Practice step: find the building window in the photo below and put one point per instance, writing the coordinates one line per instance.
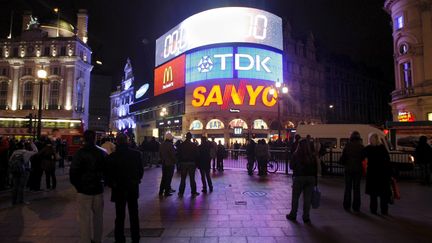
(46, 51)
(28, 95)
(54, 94)
(196, 125)
(28, 71)
(4, 71)
(238, 123)
(80, 93)
(3, 94)
(259, 124)
(63, 51)
(215, 124)
(399, 22)
(55, 71)
(406, 74)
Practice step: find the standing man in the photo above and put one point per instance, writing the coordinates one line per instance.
(188, 153)
(124, 174)
(213, 153)
(250, 155)
(221, 152)
(423, 156)
(168, 157)
(204, 164)
(86, 175)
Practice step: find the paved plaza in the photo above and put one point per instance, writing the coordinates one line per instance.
(242, 208)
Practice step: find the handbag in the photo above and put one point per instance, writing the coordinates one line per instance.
(316, 197)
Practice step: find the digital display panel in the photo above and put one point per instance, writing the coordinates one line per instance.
(209, 64)
(230, 94)
(169, 76)
(233, 62)
(220, 25)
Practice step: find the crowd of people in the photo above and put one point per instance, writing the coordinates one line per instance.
(24, 162)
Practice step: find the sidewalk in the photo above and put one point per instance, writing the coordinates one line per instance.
(241, 209)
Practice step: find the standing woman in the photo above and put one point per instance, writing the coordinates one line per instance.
(378, 174)
(304, 166)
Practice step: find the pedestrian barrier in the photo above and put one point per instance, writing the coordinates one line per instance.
(236, 159)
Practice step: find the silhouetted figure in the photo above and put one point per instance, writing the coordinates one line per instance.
(304, 179)
(423, 156)
(351, 159)
(124, 174)
(262, 156)
(213, 152)
(250, 155)
(168, 157)
(86, 175)
(204, 164)
(378, 174)
(188, 155)
(220, 154)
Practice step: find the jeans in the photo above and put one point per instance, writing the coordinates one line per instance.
(220, 164)
(120, 205)
(187, 168)
(167, 174)
(303, 184)
(205, 175)
(50, 176)
(19, 183)
(425, 174)
(352, 184)
(262, 166)
(90, 212)
(383, 204)
(250, 165)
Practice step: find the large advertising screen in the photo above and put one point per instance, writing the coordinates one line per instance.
(233, 62)
(220, 25)
(233, 95)
(169, 76)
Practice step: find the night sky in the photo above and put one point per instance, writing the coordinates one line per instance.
(360, 30)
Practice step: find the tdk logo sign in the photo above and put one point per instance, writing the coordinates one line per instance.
(233, 62)
(243, 62)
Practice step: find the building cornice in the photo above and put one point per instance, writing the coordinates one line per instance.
(388, 4)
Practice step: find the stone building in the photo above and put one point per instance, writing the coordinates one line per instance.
(412, 46)
(60, 49)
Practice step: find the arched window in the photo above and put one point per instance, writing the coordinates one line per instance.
(259, 124)
(238, 123)
(54, 94)
(215, 124)
(28, 95)
(196, 125)
(80, 94)
(3, 94)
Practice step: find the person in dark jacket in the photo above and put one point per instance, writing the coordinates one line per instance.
(250, 155)
(123, 174)
(378, 174)
(48, 164)
(188, 156)
(304, 166)
(262, 155)
(168, 157)
(352, 157)
(220, 155)
(204, 164)
(423, 157)
(86, 175)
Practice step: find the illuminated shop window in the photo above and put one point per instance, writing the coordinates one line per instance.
(399, 22)
(215, 124)
(238, 123)
(259, 124)
(196, 125)
(429, 115)
(3, 93)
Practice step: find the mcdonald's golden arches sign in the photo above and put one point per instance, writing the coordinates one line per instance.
(170, 76)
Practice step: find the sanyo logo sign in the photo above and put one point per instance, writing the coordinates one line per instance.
(242, 62)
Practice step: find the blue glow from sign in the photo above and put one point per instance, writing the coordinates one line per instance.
(209, 64)
(267, 65)
(231, 62)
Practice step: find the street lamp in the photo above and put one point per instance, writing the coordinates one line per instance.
(163, 113)
(279, 89)
(42, 75)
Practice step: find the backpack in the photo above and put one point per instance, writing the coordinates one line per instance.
(16, 166)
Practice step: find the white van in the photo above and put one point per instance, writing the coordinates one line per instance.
(335, 136)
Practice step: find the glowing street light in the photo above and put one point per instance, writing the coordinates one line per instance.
(42, 75)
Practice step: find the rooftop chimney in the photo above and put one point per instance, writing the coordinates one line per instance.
(82, 21)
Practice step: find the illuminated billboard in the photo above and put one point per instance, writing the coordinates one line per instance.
(230, 94)
(233, 62)
(220, 25)
(169, 76)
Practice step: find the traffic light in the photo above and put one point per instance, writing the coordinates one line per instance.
(29, 123)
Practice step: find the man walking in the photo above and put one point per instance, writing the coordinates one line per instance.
(168, 157)
(86, 175)
(124, 174)
(188, 153)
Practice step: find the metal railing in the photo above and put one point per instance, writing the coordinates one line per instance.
(236, 159)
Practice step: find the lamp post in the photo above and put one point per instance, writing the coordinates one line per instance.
(42, 75)
(163, 113)
(279, 89)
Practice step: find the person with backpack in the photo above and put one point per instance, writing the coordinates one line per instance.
(19, 167)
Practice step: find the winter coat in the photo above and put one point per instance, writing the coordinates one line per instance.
(167, 153)
(124, 172)
(188, 152)
(262, 152)
(352, 157)
(378, 170)
(87, 170)
(250, 151)
(423, 154)
(221, 152)
(48, 158)
(303, 165)
(204, 155)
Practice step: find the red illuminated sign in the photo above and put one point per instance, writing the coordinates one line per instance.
(405, 116)
(169, 76)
